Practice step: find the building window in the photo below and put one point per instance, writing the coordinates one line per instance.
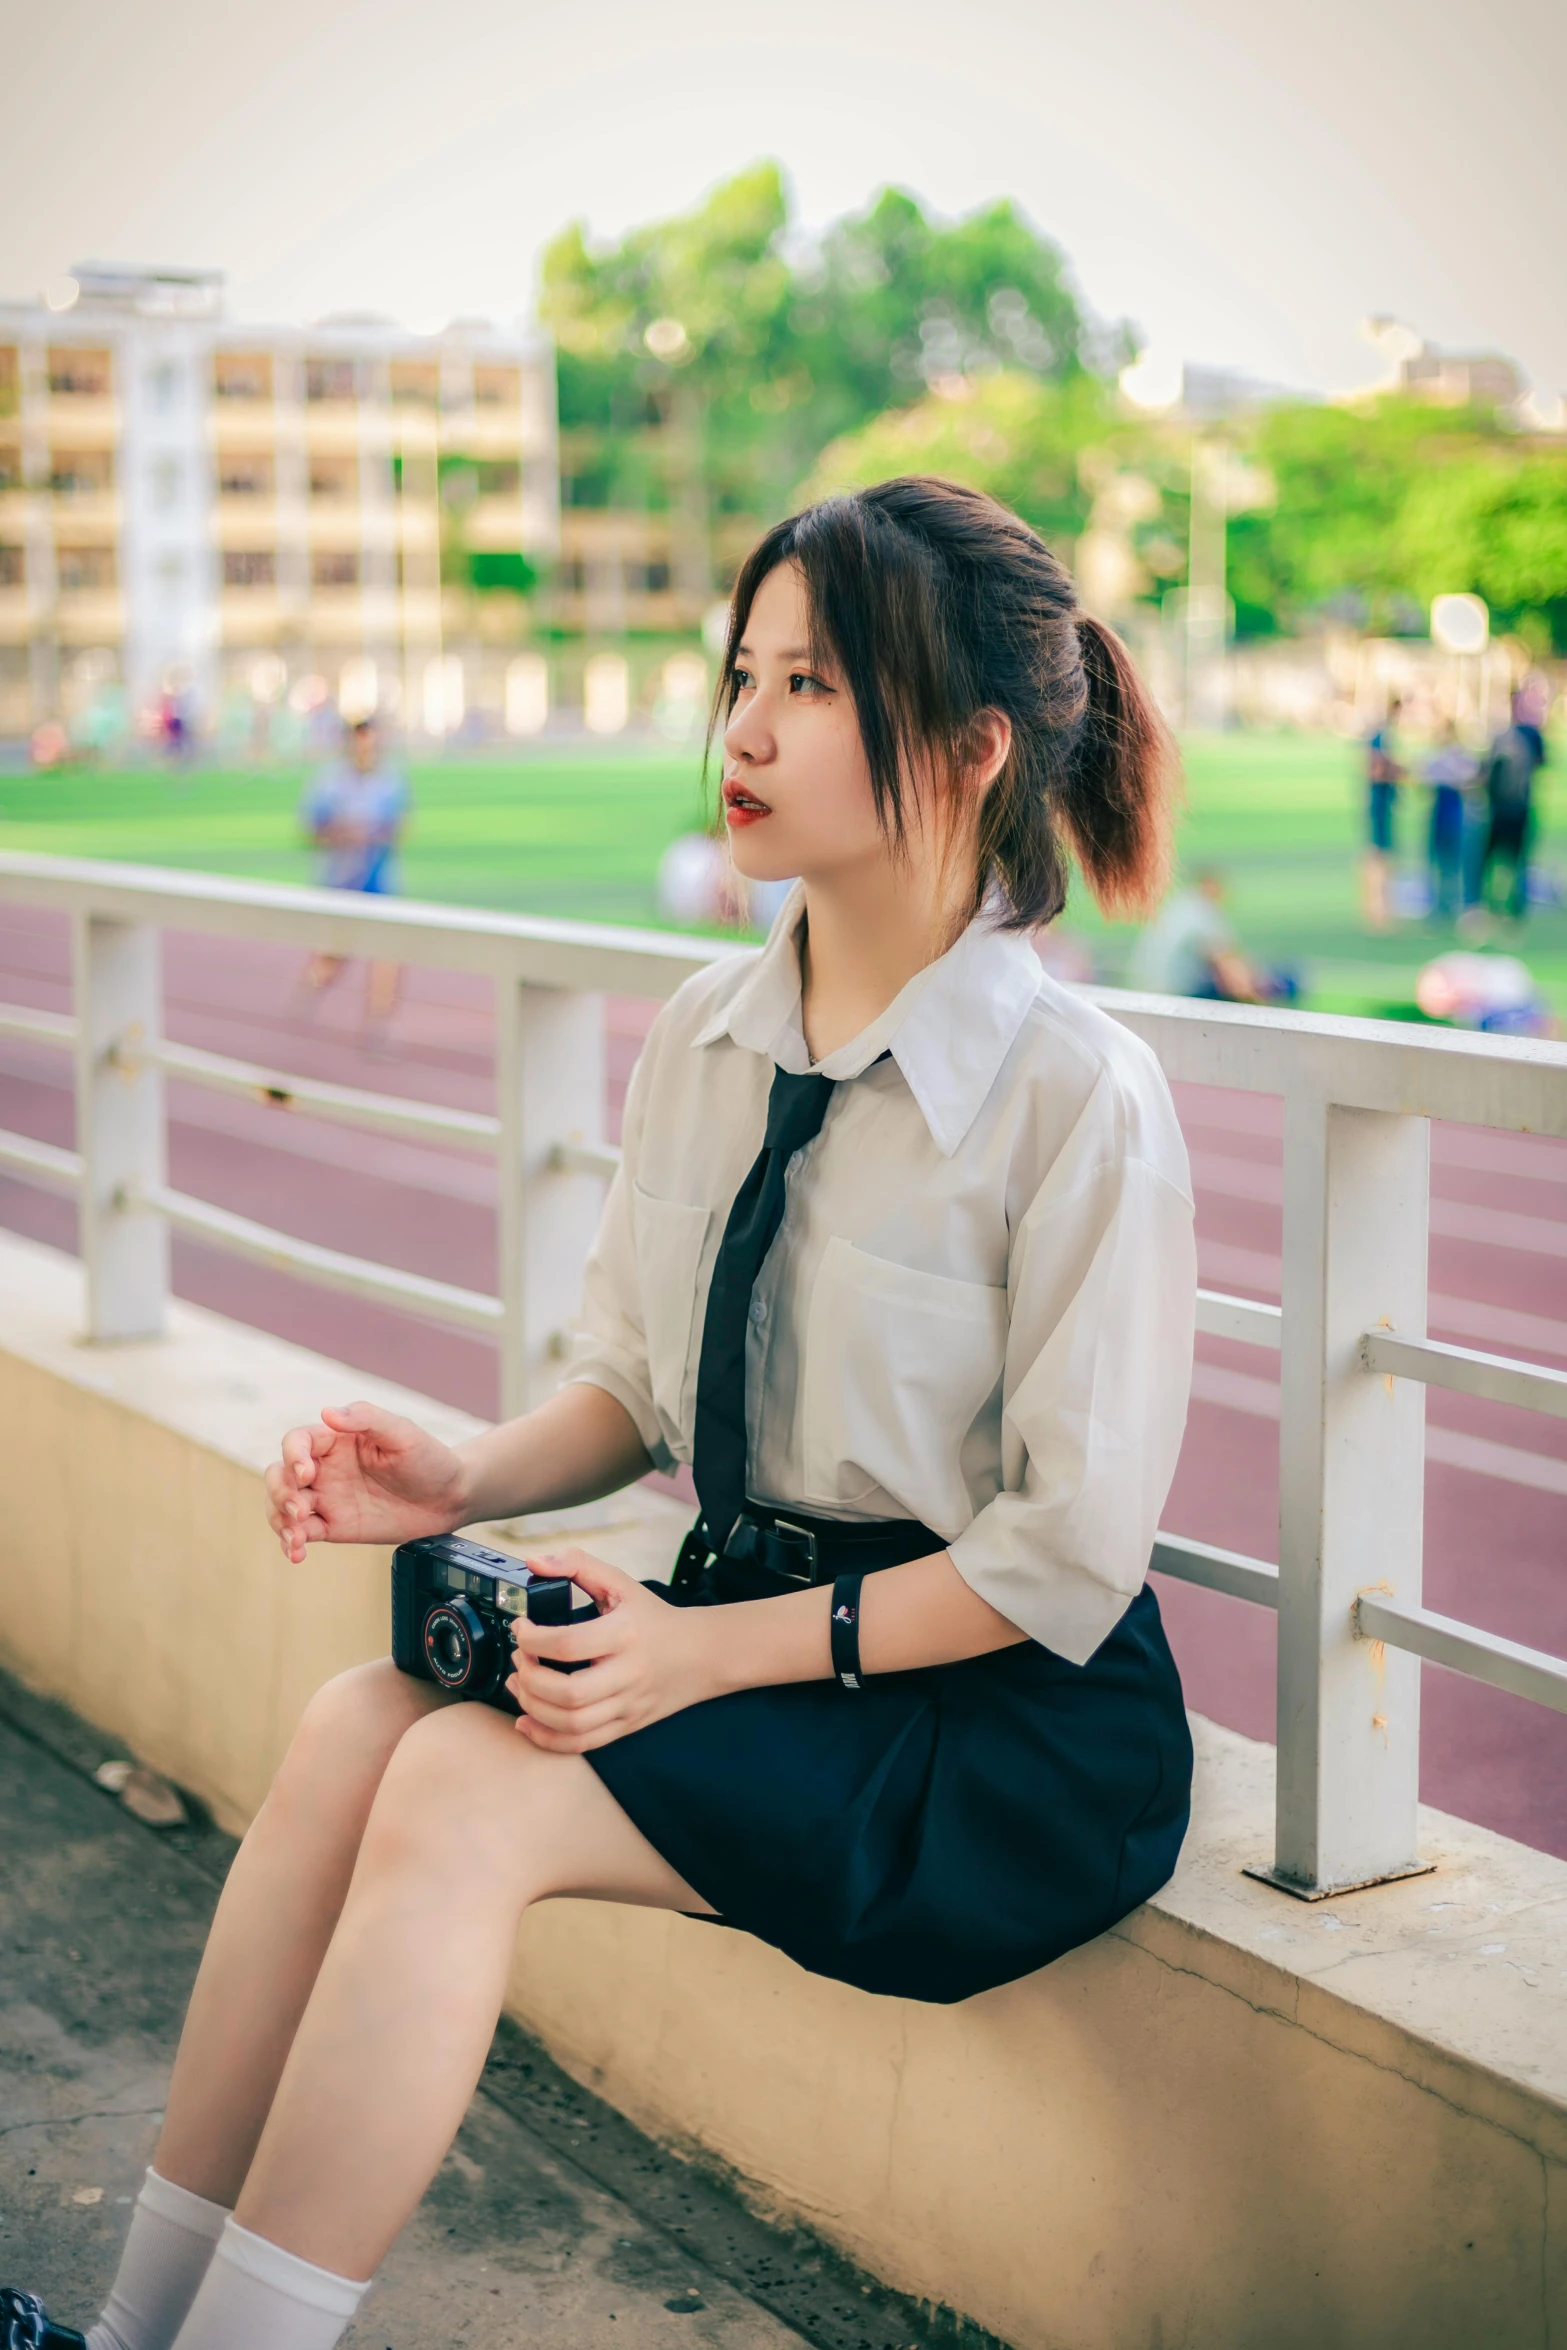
(333, 477)
(247, 567)
(573, 575)
(164, 386)
(244, 477)
(500, 479)
(85, 570)
(10, 469)
(657, 579)
(168, 483)
(79, 375)
(414, 384)
(13, 567)
(334, 567)
(242, 375)
(329, 379)
(10, 379)
(81, 473)
(497, 387)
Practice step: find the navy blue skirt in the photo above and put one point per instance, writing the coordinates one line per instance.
(935, 1833)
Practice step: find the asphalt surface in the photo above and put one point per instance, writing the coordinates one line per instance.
(1496, 1479)
(551, 2221)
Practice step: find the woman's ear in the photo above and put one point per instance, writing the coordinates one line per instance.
(989, 742)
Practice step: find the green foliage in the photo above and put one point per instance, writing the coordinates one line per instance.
(1376, 508)
(1017, 438)
(708, 366)
(500, 571)
(758, 357)
(1494, 524)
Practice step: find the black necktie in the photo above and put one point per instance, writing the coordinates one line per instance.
(795, 1110)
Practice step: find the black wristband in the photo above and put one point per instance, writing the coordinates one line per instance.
(846, 1631)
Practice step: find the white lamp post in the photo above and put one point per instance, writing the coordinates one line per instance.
(1461, 625)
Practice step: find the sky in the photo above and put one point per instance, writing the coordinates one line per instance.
(1245, 181)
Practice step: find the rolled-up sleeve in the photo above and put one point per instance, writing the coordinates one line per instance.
(1102, 1288)
(610, 1342)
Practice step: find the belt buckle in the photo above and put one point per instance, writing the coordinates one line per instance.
(803, 1534)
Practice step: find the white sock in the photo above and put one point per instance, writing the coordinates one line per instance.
(256, 2296)
(165, 2258)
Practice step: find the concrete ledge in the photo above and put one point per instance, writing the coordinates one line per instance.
(1234, 2121)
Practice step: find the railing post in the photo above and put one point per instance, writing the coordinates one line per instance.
(119, 1125)
(1351, 1495)
(549, 1069)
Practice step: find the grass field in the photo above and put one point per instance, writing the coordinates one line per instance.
(580, 834)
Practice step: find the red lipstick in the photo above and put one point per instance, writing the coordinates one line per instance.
(741, 806)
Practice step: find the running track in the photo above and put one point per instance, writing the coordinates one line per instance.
(1496, 1497)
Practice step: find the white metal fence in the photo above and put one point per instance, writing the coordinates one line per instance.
(1355, 1361)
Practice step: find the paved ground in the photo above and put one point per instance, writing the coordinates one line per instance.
(551, 2221)
(1497, 1478)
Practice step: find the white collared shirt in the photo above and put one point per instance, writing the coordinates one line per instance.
(978, 1311)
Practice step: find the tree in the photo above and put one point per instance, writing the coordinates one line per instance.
(704, 367)
(1010, 434)
(661, 335)
(1494, 524)
(1330, 541)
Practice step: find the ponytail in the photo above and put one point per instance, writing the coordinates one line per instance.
(939, 605)
(1116, 792)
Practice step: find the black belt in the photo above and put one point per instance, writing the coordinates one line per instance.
(771, 1551)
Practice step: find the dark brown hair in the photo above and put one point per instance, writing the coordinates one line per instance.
(934, 605)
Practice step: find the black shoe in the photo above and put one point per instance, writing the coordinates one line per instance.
(24, 2325)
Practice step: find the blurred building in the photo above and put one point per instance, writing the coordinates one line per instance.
(652, 568)
(344, 512)
(1461, 379)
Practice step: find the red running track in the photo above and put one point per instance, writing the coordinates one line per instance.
(1496, 1477)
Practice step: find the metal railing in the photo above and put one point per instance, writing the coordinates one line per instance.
(1350, 1331)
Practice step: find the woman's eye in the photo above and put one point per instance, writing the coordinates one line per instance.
(739, 680)
(802, 682)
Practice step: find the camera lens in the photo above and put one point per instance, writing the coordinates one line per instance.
(459, 1646)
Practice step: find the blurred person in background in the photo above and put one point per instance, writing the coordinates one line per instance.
(1189, 948)
(175, 733)
(1384, 774)
(1451, 773)
(1517, 755)
(355, 812)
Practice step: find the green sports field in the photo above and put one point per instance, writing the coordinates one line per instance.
(580, 834)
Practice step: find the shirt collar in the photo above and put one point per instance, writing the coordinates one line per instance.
(949, 1028)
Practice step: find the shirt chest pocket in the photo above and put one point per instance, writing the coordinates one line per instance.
(898, 1367)
(669, 1235)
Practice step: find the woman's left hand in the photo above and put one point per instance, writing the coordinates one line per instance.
(642, 1659)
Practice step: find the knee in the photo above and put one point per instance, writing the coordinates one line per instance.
(455, 1793)
(347, 1734)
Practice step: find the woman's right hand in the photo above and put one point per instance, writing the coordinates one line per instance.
(362, 1475)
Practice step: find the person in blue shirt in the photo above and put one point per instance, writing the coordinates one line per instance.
(1450, 772)
(355, 812)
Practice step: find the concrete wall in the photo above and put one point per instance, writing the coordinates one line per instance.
(1236, 2121)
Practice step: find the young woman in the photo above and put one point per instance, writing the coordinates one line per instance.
(900, 1257)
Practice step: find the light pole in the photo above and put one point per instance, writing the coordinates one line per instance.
(1461, 625)
(1207, 611)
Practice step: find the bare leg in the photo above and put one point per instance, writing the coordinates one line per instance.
(283, 1898)
(471, 1824)
(320, 971)
(1374, 890)
(382, 988)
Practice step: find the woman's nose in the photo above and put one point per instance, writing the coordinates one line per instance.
(749, 734)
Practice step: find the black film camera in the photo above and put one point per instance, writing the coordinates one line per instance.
(453, 1603)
